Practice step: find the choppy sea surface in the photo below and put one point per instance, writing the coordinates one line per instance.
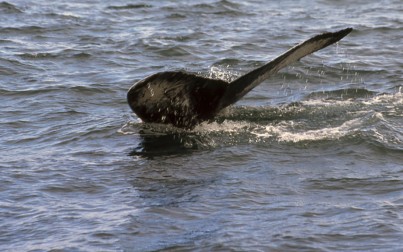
(310, 160)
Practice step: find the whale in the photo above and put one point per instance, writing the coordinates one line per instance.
(185, 100)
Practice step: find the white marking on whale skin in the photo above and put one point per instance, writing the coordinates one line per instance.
(150, 89)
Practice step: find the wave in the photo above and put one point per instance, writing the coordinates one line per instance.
(342, 94)
(54, 55)
(30, 29)
(57, 90)
(220, 7)
(129, 6)
(7, 7)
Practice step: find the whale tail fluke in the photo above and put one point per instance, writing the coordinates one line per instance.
(241, 86)
(185, 99)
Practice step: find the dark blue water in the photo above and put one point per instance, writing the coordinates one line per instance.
(310, 160)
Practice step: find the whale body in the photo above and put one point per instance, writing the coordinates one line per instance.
(185, 99)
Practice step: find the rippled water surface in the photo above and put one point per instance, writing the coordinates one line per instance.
(310, 160)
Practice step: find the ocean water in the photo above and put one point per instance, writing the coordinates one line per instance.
(310, 160)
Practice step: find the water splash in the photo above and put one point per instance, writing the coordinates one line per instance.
(222, 73)
(285, 133)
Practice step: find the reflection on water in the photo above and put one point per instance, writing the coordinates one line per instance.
(154, 145)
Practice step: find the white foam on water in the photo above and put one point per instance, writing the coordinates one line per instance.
(329, 103)
(284, 132)
(390, 100)
(226, 126)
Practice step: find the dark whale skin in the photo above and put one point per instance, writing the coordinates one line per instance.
(176, 98)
